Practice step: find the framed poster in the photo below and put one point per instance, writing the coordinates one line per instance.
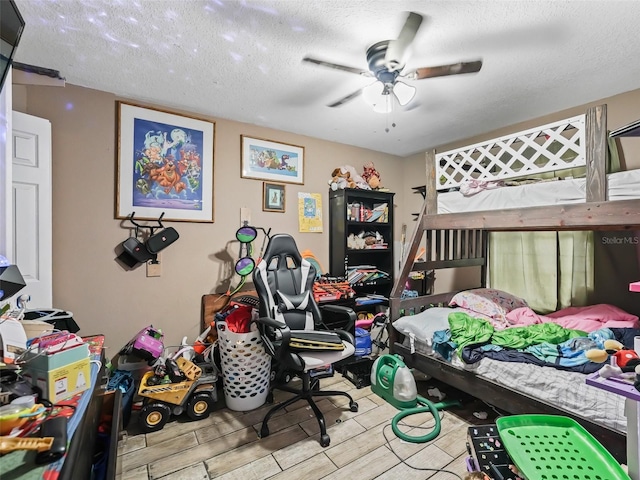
(165, 164)
(271, 161)
(273, 197)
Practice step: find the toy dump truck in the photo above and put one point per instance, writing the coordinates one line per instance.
(191, 389)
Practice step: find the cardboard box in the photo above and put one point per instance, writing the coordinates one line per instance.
(63, 382)
(44, 362)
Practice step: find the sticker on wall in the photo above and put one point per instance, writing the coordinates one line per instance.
(310, 212)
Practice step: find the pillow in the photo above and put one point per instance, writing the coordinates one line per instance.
(424, 324)
(488, 301)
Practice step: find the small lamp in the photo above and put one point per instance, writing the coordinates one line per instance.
(11, 280)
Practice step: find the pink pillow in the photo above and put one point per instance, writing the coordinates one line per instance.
(488, 301)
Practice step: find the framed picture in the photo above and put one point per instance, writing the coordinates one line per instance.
(272, 197)
(165, 164)
(271, 161)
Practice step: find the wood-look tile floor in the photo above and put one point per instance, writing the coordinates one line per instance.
(226, 445)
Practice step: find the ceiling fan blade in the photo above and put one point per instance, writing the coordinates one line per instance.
(442, 70)
(346, 99)
(337, 66)
(395, 58)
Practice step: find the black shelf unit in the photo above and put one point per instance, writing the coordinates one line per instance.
(341, 212)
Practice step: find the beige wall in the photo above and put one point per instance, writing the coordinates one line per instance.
(105, 298)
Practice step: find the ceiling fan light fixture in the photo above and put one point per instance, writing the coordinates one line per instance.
(403, 92)
(372, 93)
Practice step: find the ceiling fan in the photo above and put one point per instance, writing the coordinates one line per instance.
(386, 60)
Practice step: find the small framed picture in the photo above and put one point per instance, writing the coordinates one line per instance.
(273, 197)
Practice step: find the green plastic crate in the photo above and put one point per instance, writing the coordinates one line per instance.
(553, 447)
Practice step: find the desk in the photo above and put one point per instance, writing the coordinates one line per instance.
(82, 430)
(631, 411)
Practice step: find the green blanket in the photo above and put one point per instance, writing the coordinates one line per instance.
(466, 330)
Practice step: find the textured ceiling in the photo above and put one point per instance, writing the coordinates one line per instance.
(242, 60)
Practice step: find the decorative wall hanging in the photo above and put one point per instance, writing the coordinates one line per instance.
(273, 199)
(165, 164)
(271, 161)
(309, 212)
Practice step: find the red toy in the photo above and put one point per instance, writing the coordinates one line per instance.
(625, 359)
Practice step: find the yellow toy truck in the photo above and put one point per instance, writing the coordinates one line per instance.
(190, 389)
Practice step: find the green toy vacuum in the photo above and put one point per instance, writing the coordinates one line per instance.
(392, 380)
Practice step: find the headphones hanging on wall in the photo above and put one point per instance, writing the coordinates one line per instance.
(135, 252)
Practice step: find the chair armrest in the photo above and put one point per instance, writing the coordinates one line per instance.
(346, 336)
(271, 322)
(347, 312)
(275, 334)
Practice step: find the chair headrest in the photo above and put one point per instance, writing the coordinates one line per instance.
(281, 245)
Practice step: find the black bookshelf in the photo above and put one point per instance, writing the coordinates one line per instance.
(353, 211)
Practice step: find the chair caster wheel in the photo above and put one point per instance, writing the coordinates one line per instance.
(325, 440)
(264, 431)
(270, 397)
(353, 406)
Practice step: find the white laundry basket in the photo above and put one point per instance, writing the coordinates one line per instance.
(246, 367)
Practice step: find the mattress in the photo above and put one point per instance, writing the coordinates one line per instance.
(562, 389)
(620, 186)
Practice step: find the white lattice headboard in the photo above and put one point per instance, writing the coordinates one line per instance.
(555, 146)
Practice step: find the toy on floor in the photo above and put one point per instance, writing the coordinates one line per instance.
(183, 386)
(146, 345)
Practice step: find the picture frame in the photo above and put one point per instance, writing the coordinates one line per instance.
(273, 197)
(165, 165)
(271, 161)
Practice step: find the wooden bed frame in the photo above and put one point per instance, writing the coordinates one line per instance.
(460, 240)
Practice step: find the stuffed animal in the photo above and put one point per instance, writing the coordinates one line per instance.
(356, 242)
(626, 359)
(355, 177)
(340, 179)
(371, 176)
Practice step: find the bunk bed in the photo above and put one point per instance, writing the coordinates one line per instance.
(461, 239)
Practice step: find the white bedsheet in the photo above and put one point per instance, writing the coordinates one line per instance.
(566, 390)
(620, 186)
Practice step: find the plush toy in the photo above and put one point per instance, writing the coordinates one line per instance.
(340, 179)
(356, 242)
(371, 176)
(355, 177)
(626, 359)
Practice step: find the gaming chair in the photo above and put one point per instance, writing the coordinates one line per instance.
(292, 329)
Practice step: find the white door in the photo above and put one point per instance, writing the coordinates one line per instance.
(6, 225)
(31, 185)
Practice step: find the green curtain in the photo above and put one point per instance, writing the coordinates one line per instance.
(525, 264)
(550, 270)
